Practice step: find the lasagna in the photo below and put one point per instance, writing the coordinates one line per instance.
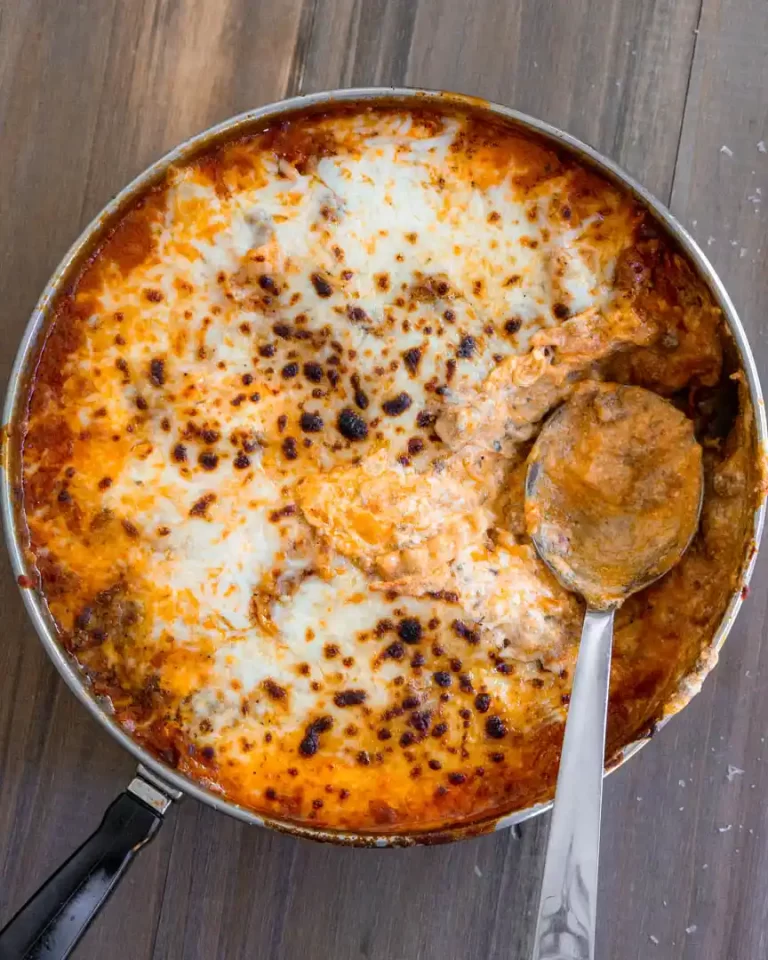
(275, 450)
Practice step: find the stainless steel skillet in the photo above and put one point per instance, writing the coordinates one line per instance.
(54, 919)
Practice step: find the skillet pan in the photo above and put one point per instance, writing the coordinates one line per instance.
(50, 924)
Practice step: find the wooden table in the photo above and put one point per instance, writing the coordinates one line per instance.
(676, 91)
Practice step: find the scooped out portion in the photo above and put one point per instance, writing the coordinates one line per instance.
(614, 486)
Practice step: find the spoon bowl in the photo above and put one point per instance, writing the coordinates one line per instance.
(614, 489)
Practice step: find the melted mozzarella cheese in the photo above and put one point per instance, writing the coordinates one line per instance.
(248, 524)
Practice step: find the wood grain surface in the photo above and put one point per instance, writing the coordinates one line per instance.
(91, 91)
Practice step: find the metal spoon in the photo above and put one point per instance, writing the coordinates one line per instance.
(613, 496)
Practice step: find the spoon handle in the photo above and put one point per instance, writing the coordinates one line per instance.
(565, 929)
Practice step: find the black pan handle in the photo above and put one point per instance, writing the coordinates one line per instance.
(52, 921)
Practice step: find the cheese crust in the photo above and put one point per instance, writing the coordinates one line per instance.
(274, 461)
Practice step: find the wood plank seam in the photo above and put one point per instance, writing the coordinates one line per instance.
(675, 166)
(295, 81)
(97, 125)
(174, 812)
